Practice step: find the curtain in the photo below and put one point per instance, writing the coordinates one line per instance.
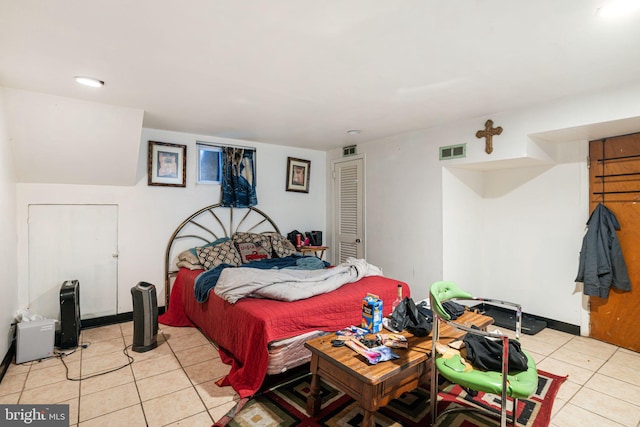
(238, 177)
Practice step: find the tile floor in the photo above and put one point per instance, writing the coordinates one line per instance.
(174, 384)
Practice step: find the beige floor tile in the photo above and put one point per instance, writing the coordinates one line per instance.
(173, 331)
(612, 387)
(107, 401)
(567, 390)
(212, 395)
(608, 407)
(52, 374)
(575, 416)
(203, 419)
(590, 347)
(172, 407)
(576, 374)
(13, 383)
(9, 399)
(165, 383)
(52, 393)
(127, 329)
(197, 354)
(162, 349)
(131, 416)
(157, 365)
(536, 344)
(207, 371)
(70, 355)
(586, 361)
(22, 368)
(44, 363)
(187, 342)
(103, 333)
(106, 381)
(100, 348)
(102, 363)
(623, 366)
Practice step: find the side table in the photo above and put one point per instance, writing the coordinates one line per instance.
(314, 250)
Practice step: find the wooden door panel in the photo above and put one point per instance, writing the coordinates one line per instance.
(614, 180)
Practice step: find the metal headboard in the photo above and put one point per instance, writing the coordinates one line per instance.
(207, 225)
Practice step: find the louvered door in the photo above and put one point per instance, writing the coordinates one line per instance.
(349, 209)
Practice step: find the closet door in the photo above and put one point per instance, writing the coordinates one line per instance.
(614, 176)
(68, 242)
(348, 209)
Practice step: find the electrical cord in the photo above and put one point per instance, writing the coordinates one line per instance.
(63, 355)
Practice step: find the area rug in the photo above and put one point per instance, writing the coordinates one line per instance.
(285, 405)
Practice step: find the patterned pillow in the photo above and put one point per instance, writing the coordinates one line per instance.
(224, 253)
(282, 247)
(251, 252)
(258, 239)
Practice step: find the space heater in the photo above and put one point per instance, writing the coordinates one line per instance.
(69, 333)
(145, 317)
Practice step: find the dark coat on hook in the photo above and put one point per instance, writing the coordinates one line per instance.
(601, 261)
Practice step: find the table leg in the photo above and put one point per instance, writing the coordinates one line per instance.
(314, 401)
(368, 420)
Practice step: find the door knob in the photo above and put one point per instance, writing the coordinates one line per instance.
(357, 240)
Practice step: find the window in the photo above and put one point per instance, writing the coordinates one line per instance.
(209, 164)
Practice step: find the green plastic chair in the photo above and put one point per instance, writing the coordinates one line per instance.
(450, 365)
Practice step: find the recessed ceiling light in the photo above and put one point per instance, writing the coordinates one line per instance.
(354, 131)
(89, 81)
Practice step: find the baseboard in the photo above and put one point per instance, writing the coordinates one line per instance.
(533, 319)
(110, 320)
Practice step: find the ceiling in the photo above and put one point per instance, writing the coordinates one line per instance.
(302, 73)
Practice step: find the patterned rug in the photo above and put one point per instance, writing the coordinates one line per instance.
(285, 405)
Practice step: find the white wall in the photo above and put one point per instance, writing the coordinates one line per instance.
(149, 214)
(507, 225)
(8, 261)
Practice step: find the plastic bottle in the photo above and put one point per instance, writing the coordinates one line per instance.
(396, 302)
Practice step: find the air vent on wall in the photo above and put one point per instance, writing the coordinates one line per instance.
(349, 151)
(453, 151)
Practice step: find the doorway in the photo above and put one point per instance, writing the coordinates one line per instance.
(614, 180)
(348, 190)
(73, 242)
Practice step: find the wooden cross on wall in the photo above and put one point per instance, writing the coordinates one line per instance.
(487, 134)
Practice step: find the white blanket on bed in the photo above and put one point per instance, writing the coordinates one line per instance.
(290, 285)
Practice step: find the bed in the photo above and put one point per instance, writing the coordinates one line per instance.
(256, 336)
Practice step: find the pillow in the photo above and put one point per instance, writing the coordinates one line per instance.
(251, 252)
(282, 247)
(213, 256)
(191, 255)
(256, 238)
(190, 266)
(188, 256)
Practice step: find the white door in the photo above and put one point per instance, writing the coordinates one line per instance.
(348, 190)
(73, 242)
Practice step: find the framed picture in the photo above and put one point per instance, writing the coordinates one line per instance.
(166, 164)
(298, 171)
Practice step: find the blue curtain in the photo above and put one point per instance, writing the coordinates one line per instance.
(238, 177)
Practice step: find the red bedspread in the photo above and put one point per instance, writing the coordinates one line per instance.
(243, 330)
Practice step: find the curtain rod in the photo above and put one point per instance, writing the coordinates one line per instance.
(214, 144)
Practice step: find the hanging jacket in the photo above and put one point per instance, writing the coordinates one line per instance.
(601, 262)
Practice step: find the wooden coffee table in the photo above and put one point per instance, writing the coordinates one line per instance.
(374, 386)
